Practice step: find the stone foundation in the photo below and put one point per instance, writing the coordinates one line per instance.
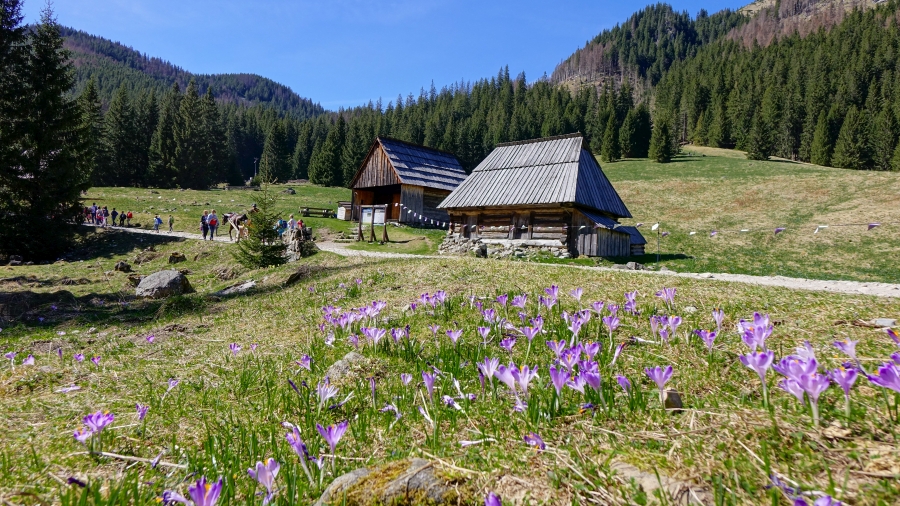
(503, 248)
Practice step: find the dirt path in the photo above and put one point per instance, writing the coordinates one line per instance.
(817, 285)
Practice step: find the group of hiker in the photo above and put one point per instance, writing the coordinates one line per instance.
(209, 224)
(283, 226)
(103, 217)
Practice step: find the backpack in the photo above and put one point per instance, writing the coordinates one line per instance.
(158, 220)
(213, 222)
(282, 224)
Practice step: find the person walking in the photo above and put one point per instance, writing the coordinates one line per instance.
(114, 214)
(105, 216)
(157, 221)
(292, 223)
(213, 221)
(171, 222)
(122, 219)
(129, 218)
(204, 226)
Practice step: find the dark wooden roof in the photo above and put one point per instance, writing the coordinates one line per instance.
(636, 236)
(417, 165)
(555, 170)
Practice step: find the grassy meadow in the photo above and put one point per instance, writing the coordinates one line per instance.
(215, 410)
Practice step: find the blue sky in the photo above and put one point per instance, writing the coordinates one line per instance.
(346, 52)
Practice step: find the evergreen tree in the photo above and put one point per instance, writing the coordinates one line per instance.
(92, 124)
(850, 150)
(192, 154)
(610, 152)
(214, 138)
(122, 160)
(759, 142)
(263, 246)
(147, 111)
(820, 150)
(628, 134)
(883, 139)
(895, 160)
(163, 168)
(40, 196)
(13, 87)
(325, 166)
(303, 151)
(276, 153)
(662, 142)
(356, 147)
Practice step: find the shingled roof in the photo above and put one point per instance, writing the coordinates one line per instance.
(421, 166)
(554, 170)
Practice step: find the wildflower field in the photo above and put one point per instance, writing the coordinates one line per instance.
(540, 384)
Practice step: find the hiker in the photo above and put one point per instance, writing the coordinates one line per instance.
(292, 223)
(105, 216)
(122, 219)
(213, 222)
(114, 214)
(204, 227)
(129, 218)
(157, 221)
(280, 226)
(94, 213)
(171, 222)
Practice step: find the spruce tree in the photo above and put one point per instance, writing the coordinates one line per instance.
(92, 124)
(192, 154)
(850, 150)
(276, 153)
(13, 87)
(610, 151)
(147, 111)
(895, 160)
(820, 149)
(325, 167)
(40, 196)
(163, 169)
(356, 147)
(214, 138)
(303, 151)
(121, 144)
(883, 139)
(628, 134)
(759, 142)
(263, 247)
(661, 142)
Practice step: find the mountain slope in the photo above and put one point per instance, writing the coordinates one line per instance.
(114, 64)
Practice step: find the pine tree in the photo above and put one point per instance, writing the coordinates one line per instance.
(13, 86)
(303, 151)
(820, 150)
(759, 142)
(610, 152)
(850, 150)
(325, 166)
(263, 246)
(163, 168)
(356, 147)
(92, 124)
(276, 153)
(662, 142)
(192, 154)
(39, 211)
(628, 134)
(121, 144)
(883, 139)
(147, 111)
(895, 160)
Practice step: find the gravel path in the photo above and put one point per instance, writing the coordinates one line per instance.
(818, 285)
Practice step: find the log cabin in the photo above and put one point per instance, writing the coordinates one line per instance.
(410, 180)
(548, 194)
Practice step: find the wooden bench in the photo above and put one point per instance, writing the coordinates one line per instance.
(317, 211)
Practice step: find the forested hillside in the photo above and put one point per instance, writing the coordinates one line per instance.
(113, 64)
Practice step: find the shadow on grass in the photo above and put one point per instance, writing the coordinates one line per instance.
(648, 258)
(92, 244)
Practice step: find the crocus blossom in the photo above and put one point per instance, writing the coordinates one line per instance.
(624, 382)
(524, 376)
(299, 447)
(660, 376)
(508, 343)
(454, 335)
(845, 378)
(235, 348)
(96, 422)
(576, 294)
(429, 383)
(559, 377)
(557, 347)
(534, 440)
(202, 493)
(29, 360)
(848, 347)
(718, 317)
(325, 391)
(814, 384)
(305, 362)
(82, 435)
(96, 360)
(141, 411)
(791, 386)
(519, 301)
(265, 474)
(488, 367)
(887, 376)
(405, 378)
(760, 362)
(708, 337)
(618, 352)
(492, 499)
(333, 433)
(667, 295)
(501, 299)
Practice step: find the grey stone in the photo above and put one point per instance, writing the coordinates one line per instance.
(176, 257)
(884, 322)
(416, 483)
(135, 279)
(236, 289)
(163, 284)
(621, 267)
(634, 266)
(673, 401)
(122, 266)
(690, 309)
(289, 191)
(341, 485)
(665, 269)
(345, 366)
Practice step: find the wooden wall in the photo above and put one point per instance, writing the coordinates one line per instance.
(377, 171)
(593, 241)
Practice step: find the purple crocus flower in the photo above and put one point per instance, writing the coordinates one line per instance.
(557, 347)
(896, 357)
(82, 435)
(508, 343)
(576, 294)
(708, 337)
(559, 377)
(150, 338)
(569, 358)
(333, 433)
(623, 382)
(534, 440)
(760, 362)
(590, 349)
(203, 493)
(667, 295)
(597, 307)
(405, 378)
(29, 360)
(391, 408)
(372, 386)
(591, 378)
(793, 366)
(374, 335)
(235, 348)
(664, 335)
(325, 391)
(492, 499)
(96, 360)
(96, 422)
(612, 323)
(454, 335)
(530, 332)
(848, 347)
(887, 376)
(718, 317)
(618, 352)
(845, 378)
(674, 322)
(484, 332)
(429, 384)
(172, 384)
(488, 367)
(826, 500)
(501, 299)
(893, 335)
(660, 376)
(293, 438)
(434, 329)
(504, 374)
(305, 362)
(613, 309)
(814, 385)
(524, 376)
(520, 301)
(141, 411)
(552, 292)
(791, 386)
(265, 474)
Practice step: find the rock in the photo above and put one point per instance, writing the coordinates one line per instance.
(15, 263)
(481, 250)
(303, 272)
(673, 401)
(413, 481)
(227, 273)
(665, 269)
(690, 309)
(28, 263)
(236, 289)
(163, 284)
(878, 322)
(634, 266)
(621, 267)
(122, 266)
(345, 366)
(176, 257)
(289, 191)
(135, 279)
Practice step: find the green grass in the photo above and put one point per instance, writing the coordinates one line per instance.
(227, 410)
(403, 239)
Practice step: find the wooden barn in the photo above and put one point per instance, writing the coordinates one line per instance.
(410, 180)
(543, 193)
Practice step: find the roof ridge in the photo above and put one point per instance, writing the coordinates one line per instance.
(436, 150)
(541, 139)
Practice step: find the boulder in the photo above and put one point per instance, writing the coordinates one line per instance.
(884, 322)
(236, 289)
(163, 284)
(176, 257)
(345, 366)
(289, 191)
(15, 260)
(413, 481)
(634, 266)
(122, 267)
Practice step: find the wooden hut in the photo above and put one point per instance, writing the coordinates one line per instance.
(545, 193)
(410, 180)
